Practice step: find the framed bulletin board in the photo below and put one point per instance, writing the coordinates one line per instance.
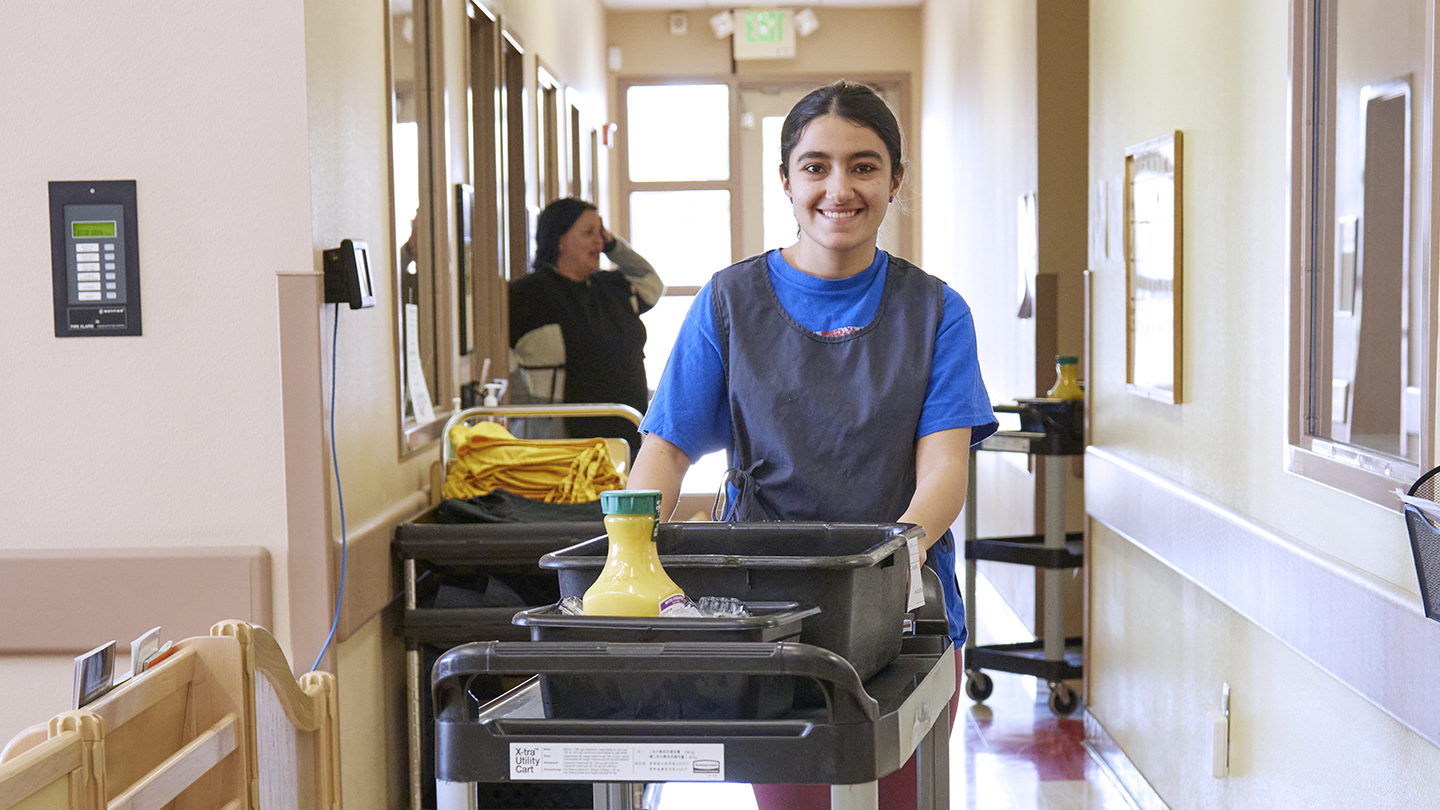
(1153, 265)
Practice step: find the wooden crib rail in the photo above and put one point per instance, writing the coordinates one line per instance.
(310, 710)
(199, 731)
(180, 770)
(50, 776)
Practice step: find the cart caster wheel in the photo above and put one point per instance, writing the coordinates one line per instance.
(979, 686)
(1063, 700)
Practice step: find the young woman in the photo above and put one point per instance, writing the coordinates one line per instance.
(570, 318)
(843, 382)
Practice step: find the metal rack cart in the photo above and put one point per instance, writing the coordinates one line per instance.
(430, 551)
(1050, 428)
(857, 734)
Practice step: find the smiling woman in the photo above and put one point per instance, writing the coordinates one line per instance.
(840, 176)
(828, 356)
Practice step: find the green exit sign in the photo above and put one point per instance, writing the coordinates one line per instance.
(765, 33)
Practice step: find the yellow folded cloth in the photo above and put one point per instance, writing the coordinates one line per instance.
(488, 457)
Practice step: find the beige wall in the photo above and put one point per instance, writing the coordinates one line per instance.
(257, 138)
(170, 440)
(1161, 646)
(1161, 642)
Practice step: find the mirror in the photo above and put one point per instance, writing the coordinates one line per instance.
(1375, 401)
(409, 152)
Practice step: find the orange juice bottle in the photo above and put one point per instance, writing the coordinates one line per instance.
(1066, 385)
(632, 583)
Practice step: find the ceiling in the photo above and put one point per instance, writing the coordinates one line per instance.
(680, 5)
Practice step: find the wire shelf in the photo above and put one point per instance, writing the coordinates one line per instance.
(1425, 542)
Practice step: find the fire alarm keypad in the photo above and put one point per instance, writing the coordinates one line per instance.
(96, 278)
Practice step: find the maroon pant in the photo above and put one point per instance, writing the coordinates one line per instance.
(898, 791)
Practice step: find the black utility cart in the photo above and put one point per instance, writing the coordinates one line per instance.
(1054, 429)
(658, 709)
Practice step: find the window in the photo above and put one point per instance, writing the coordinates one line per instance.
(677, 195)
(414, 217)
(1361, 406)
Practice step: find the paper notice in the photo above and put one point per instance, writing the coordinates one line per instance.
(917, 585)
(415, 369)
(618, 762)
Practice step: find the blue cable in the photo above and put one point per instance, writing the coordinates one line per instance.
(339, 492)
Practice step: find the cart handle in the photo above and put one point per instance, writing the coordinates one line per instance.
(845, 695)
(558, 409)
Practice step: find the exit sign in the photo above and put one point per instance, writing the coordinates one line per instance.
(764, 33)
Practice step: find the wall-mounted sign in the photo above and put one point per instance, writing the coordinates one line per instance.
(764, 33)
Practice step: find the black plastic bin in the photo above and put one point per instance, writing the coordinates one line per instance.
(673, 696)
(855, 573)
(439, 555)
(456, 553)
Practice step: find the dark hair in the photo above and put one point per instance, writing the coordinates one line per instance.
(557, 218)
(855, 102)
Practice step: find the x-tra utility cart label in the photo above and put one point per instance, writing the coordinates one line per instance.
(617, 762)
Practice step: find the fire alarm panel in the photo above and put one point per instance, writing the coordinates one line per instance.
(95, 258)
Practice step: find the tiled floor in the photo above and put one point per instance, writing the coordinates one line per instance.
(1012, 752)
(1009, 753)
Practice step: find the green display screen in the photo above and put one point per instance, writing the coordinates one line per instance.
(92, 230)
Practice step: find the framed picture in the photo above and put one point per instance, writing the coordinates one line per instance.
(1153, 265)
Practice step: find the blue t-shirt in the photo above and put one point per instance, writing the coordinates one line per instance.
(691, 406)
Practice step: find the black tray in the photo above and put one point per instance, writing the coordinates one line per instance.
(673, 696)
(855, 573)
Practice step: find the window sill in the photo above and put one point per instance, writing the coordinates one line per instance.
(1365, 475)
(416, 437)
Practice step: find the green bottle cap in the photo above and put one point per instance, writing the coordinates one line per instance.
(630, 501)
(1066, 360)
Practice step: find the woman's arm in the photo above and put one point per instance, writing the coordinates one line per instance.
(661, 465)
(942, 472)
(644, 281)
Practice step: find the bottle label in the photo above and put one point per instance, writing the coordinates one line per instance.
(674, 600)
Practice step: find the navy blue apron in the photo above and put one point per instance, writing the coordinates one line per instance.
(824, 425)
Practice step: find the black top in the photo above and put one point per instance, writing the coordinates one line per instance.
(599, 319)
